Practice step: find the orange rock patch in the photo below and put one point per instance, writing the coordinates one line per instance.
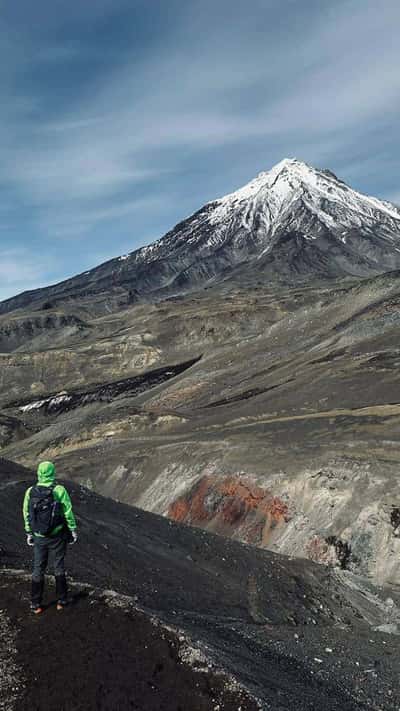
(233, 506)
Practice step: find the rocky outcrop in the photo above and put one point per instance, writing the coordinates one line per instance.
(13, 429)
(32, 332)
(232, 506)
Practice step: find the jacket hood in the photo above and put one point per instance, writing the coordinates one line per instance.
(46, 473)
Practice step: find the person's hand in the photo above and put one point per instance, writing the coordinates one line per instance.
(30, 539)
(74, 535)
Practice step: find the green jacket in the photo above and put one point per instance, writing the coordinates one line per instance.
(46, 477)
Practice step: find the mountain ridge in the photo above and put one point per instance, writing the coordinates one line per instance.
(272, 225)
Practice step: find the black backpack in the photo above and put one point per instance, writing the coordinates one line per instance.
(44, 512)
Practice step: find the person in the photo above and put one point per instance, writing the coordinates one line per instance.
(49, 525)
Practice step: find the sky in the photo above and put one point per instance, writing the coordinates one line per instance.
(118, 118)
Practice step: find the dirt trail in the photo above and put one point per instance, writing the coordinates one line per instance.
(372, 410)
(102, 654)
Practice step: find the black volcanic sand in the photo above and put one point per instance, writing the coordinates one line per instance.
(91, 656)
(289, 630)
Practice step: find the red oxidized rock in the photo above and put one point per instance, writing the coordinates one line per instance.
(233, 506)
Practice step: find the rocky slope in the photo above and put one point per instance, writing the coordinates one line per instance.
(190, 615)
(284, 434)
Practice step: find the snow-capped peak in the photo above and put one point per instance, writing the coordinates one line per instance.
(287, 168)
(275, 191)
(293, 220)
(287, 164)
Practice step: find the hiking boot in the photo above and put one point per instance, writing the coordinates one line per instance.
(36, 609)
(61, 604)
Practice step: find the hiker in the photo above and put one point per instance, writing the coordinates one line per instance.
(49, 525)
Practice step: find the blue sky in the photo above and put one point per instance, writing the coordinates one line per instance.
(120, 117)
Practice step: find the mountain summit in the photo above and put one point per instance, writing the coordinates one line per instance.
(292, 222)
(280, 196)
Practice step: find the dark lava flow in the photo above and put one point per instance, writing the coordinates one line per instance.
(64, 401)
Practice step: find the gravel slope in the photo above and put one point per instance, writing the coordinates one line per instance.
(295, 634)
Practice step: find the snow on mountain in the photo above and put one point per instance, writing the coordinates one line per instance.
(278, 187)
(274, 194)
(291, 222)
(291, 197)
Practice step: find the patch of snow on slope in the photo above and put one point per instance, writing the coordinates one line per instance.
(33, 406)
(50, 401)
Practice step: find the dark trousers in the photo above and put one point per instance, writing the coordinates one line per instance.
(54, 547)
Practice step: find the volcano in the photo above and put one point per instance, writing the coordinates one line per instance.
(291, 223)
(239, 375)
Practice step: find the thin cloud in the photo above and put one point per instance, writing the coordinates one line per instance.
(84, 218)
(20, 270)
(307, 79)
(169, 105)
